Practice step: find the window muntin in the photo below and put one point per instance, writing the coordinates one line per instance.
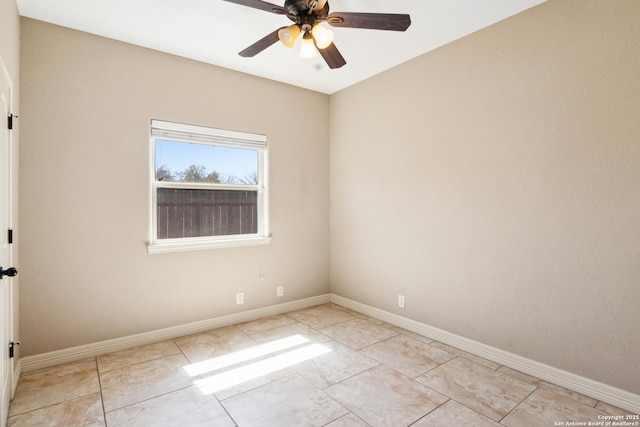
(208, 187)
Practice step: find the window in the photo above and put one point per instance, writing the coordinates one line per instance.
(209, 188)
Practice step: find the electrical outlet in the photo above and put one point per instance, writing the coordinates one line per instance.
(280, 291)
(401, 301)
(240, 298)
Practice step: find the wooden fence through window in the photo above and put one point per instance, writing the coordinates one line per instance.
(197, 213)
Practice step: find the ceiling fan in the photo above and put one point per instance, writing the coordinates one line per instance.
(307, 16)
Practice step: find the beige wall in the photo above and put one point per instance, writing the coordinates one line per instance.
(10, 54)
(86, 108)
(495, 183)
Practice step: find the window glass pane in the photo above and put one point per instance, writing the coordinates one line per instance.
(197, 213)
(191, 162)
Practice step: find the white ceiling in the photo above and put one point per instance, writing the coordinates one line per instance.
(214, 31)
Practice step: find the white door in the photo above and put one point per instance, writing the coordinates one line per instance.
(5, 248)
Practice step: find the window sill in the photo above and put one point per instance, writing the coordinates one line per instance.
(156, 248)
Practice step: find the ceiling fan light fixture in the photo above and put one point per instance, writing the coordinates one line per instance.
(307, 47)
(322, 36)
(289, 35)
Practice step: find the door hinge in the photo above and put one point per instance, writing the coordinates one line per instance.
(10, 236)
(10, 121)
(12, 346)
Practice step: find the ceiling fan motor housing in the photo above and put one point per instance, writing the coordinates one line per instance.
(302, 11)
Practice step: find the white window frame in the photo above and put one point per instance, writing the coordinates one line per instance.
(211, 136)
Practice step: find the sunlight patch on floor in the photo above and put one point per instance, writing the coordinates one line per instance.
(220, 362)
(251, 371)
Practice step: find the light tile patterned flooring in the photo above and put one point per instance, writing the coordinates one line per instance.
(321, 366)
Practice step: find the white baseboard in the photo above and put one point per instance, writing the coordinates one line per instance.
(45, 360)
(597, 390)
(600, 391)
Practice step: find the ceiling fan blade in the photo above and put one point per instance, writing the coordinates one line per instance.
(332, 56)
(261, 44)
(262, 5)
(373, 21)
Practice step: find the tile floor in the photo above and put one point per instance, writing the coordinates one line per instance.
(321, 366)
